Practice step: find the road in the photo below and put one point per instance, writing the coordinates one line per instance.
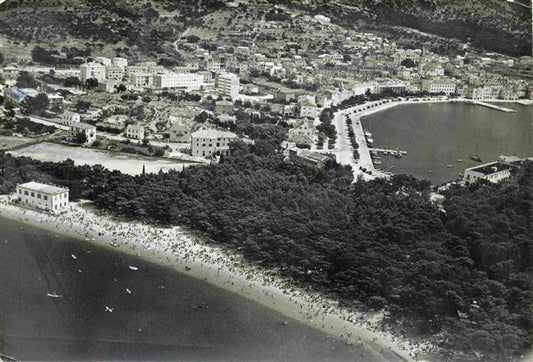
(43, 121)
(173, 153)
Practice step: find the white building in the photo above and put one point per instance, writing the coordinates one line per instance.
(141, 80)
(68, 118)
(494, 172)
(228, 85)
(135, 132)
(439, 85)
(114, 72)
(43, 196)
(307, 109)
(89, 130)
(211, 142)
(103, 60)
(186, 81)
(92, 70)
(120, 62)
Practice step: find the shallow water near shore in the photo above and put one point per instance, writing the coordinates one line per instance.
(168, 315)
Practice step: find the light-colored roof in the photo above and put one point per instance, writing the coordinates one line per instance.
(212, 133)
(44, 188)
(93, 64)
(84, 126)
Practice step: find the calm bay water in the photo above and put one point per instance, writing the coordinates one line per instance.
(437, 135)
(168, 315)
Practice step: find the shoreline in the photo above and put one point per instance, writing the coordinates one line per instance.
(356, 113)
(175, 248)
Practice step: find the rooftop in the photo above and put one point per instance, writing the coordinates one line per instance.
(490, 168)
(45, 188)
(212, 133)
(82, 126)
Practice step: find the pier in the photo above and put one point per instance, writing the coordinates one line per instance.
(395, 152)
(493, 106)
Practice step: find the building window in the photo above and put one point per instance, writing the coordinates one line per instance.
(38, 196)
(33, 194)
(26, 193)
(45, 197)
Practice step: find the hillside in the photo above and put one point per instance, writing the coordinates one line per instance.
(124, 28)
(493, 25)
(138, 29)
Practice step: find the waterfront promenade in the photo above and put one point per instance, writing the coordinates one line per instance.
(344, 150)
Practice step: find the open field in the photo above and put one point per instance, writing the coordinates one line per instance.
(12, 141)
(125, 163)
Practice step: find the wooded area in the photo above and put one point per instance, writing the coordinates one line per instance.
(461, 276)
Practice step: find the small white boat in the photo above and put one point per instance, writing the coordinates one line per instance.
(114, 244)
(73, 256)
(377, 162)
(449, 166)
(368, 134)
(53, 295)
(133, 267)
(459, 160)
(110, 310)
(128, 291)
(370, 141)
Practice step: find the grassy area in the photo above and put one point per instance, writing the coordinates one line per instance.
(7, 142)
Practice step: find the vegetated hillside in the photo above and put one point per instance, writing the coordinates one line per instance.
(460, 277)
(138, 24)
(493, 25)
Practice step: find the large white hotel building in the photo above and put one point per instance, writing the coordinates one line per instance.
(43, 196)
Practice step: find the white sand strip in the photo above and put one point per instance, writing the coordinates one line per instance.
(176, 248)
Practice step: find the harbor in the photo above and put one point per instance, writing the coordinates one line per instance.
(442, 140)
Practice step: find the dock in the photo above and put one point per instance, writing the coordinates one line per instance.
(525, 102)
(493, 106)
(395, 152)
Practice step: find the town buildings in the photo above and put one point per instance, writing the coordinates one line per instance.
(228, 85)
(439, 86)
(494, 172)
(206, 143)
(92, 70)
(185, 81)
(135, 131)
(43, 196)
(68, 118)
(83, 128)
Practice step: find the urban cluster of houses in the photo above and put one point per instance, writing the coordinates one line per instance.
(289, 68)
(110, 73)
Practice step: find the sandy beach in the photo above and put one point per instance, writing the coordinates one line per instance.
(179, 249)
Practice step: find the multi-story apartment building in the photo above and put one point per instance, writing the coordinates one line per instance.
(114, 72)
(141, 80)
(186, 81)
(68, 118)
(87, 129)
(92, 70)
(228, 84)
(211, 142)
(135, 131)
(439, 86)
(43, 196)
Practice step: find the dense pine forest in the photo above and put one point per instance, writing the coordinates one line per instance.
(463, 275)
